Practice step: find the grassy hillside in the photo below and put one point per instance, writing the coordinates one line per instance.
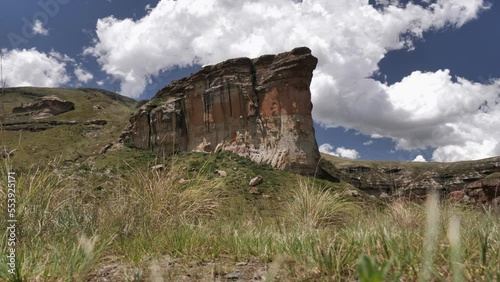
(66, 142)
(121, 217)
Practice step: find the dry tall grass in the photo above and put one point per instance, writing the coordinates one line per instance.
(316, 207)
(70, 232)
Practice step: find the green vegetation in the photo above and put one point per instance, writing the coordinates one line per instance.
(68, 142)
(492, 176)
(186, 220)
(369, 270)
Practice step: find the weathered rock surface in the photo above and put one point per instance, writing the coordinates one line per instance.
(485, 190)
(45, 107)
(36, 125)
(259, 108)
(100, 122)
(470, 181)
(256, 181)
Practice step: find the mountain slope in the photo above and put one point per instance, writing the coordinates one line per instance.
(97, 119)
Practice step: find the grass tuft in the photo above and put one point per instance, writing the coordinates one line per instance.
(315, 207)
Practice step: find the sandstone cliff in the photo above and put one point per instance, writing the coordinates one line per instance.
(467, 181)
(259, 108)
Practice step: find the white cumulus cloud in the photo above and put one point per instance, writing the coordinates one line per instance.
(368, 143)
(420, 159)
(425, 109)
(39, 29)
(83, 75)
(339, 152)
(29, 67)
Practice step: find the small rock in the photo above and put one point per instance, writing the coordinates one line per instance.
(266, 196)
(352, 193)
(157, 167)
(255, 181)
(222, 173)
(456, 196)
(468, 200)
(384, 195)
(100, 122)
(97, 107)
(232, 276)
(241, 263)
(259, 275)
(182, 181)
(254, 191)
(479, 195)
(106, 148)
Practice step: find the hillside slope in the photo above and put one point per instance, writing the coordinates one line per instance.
(97, 119)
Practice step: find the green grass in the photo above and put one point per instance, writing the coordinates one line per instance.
(298, 229)
(492, 176)
(69, 142)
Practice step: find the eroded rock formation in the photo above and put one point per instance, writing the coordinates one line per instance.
(259, 108)
(469, 181)
(45, 107)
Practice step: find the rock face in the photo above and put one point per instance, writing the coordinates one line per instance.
(485, 190)
(259, 108)
(469, 181)
(45, 107)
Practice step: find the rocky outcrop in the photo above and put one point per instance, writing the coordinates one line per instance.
(470, 181)
(36, 126)
(259, 108)
(485, 190)
(45, 107)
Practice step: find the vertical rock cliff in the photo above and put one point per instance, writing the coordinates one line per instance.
(259, 108)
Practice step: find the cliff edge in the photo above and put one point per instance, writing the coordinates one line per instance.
(258, 108)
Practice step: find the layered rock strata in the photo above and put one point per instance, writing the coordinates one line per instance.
(259, 108)
(45, 107)
(468, 181)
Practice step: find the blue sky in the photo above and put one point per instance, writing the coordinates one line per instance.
(396, 79)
